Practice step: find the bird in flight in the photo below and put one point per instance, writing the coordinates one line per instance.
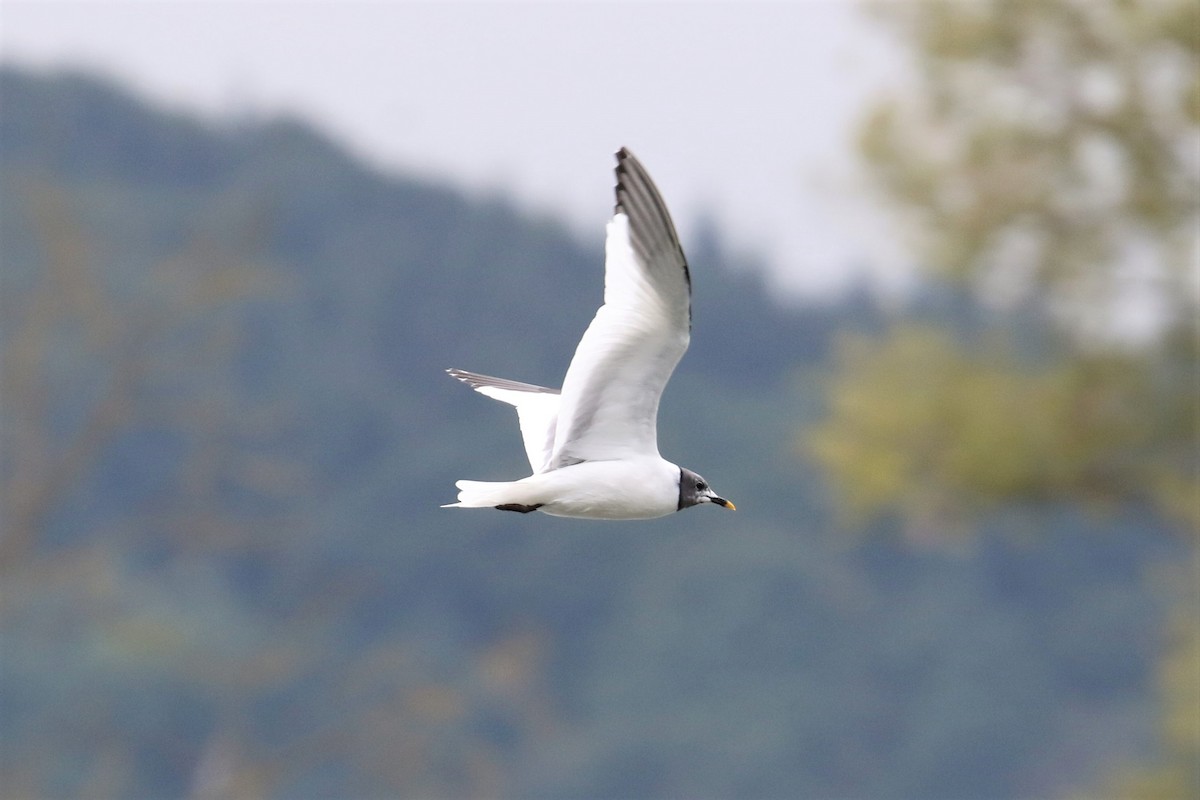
(593, 445)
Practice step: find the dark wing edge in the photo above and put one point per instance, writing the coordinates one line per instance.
(651, 231)
(477, 381)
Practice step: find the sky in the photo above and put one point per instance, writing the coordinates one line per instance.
(744, 113)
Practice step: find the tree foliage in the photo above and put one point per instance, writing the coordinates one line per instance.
(1051, 149)
(1047, 158)
(1049, 153)
(919, 422)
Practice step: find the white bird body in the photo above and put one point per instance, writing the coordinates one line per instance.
(648, 487)
(593, 446)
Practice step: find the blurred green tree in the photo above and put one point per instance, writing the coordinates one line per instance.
(1046, 158)
(67, 315)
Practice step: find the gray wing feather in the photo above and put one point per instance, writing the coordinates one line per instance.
(651, 231)
(476, 381)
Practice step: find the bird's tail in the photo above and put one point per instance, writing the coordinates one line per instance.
(487, 494)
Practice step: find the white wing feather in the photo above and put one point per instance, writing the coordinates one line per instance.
(537, 411)
(608, 407)
(610, 396)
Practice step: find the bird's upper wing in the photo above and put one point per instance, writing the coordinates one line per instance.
(609, 403)
(537, 411)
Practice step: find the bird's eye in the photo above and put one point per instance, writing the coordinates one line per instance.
(700, 487)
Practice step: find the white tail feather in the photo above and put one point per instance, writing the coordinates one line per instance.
(483, 494)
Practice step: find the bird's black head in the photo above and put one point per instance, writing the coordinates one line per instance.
(694, 490)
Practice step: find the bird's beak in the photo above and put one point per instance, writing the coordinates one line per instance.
(721, 501)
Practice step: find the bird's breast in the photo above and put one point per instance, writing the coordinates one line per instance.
(641, 488)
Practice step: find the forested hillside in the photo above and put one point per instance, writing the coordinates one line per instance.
(223, 570)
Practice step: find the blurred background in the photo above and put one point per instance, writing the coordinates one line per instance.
(946, 275)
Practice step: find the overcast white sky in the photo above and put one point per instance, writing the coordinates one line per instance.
(742, 111)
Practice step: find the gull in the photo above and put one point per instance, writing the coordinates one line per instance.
(593, 445)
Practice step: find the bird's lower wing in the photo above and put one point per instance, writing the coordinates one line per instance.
(537, 411)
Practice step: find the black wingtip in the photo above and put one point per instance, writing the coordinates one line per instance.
(651, 227)
(623, 155)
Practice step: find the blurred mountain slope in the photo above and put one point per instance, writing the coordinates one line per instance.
(225, 436)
